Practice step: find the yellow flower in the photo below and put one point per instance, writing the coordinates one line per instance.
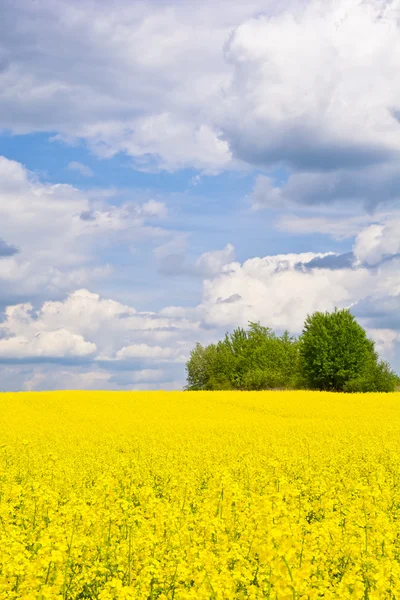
(192, 496)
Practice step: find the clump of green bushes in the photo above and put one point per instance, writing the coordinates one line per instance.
(333, 353)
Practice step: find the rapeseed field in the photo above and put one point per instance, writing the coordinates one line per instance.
(216, 495)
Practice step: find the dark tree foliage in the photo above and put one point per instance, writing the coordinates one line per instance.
(333, 353)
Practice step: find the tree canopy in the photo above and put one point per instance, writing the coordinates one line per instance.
(333, 353)
(334, 350)
(251, 359)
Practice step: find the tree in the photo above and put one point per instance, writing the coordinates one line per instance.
(333, 353)
(245, 360)
(208, 368)
(272, 360)
(334, 350)
(197, 367)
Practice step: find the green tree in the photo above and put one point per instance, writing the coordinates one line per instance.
(334, 349)
(199, 367)
(272, 360)
(245, 360)
(333, 353)
(208, 368)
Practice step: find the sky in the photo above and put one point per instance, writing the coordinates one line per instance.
(170, 170)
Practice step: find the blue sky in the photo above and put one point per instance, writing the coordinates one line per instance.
(170, 171)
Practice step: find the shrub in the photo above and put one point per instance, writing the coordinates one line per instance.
(259, 379)
(379, 378)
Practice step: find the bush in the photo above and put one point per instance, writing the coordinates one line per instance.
(258, 379)
(380, 378)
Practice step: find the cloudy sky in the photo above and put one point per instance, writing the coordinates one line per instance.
(172, 169)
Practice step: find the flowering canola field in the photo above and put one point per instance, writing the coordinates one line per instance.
(171, 495)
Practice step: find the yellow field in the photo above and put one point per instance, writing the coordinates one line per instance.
(280, 495)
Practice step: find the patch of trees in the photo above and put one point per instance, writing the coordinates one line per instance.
(333, 353)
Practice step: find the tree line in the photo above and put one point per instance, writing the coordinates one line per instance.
(333, 353)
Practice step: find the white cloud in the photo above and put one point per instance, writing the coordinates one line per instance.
(279, 291)
(275, 291)
(262, 73)
(309, 84)
(146, 375)
(49, 344)
(145, 351)
(316, 90)
(82, 169)
(163, 141)
(59, 233)
(154, 208)
(210, 263)
(147, 104)
(313, 85)
(12, 174)
(378, 241)
(84, 323)
(386, 341)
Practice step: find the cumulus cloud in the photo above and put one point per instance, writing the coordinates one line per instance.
(263, 82)
(49, 344)
(82, 169)
(210, 263)
(55, 233)
(146, 104)
(312, 93)
(378, 242)
(279, 291)
(86, 324)
(298, 83)
(305, 89)
(275, 291)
